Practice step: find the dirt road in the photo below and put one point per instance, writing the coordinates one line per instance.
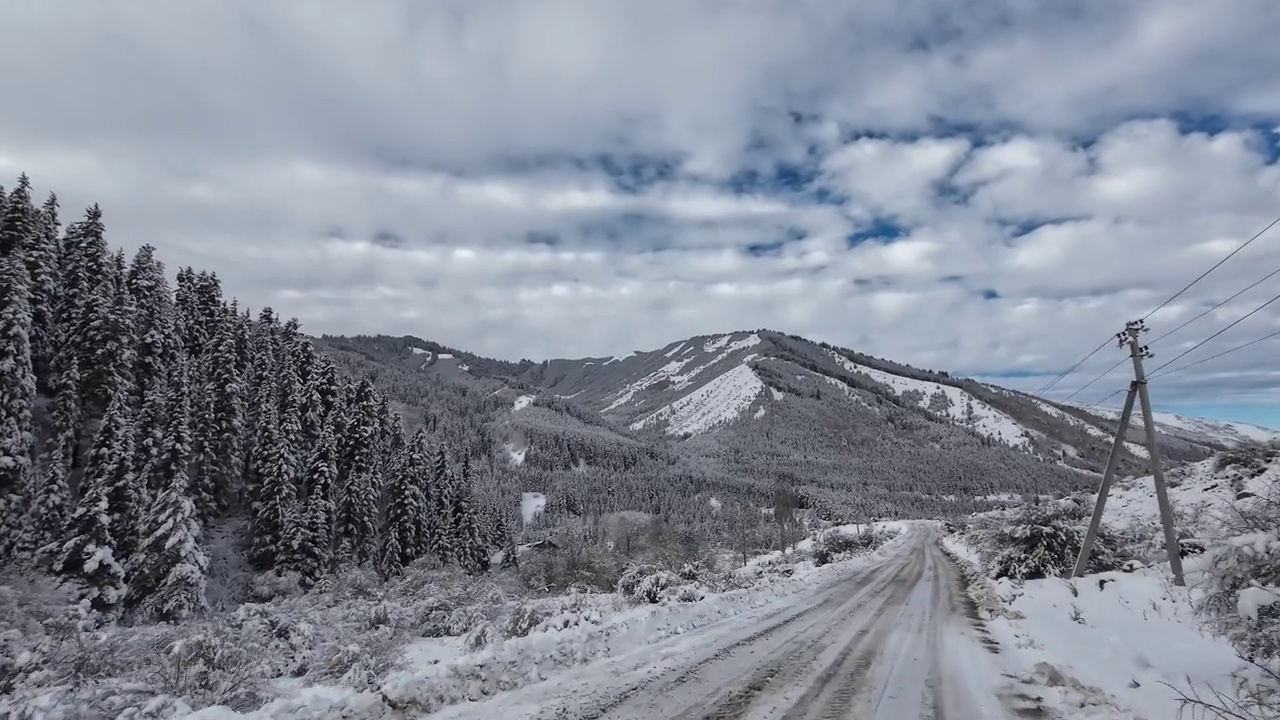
(889, 642)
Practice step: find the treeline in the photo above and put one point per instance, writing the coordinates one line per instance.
(133, 414)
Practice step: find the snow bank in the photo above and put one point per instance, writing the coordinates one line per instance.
(521, 403)
(1107, 645)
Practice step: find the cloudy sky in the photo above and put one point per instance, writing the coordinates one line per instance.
(987, 186)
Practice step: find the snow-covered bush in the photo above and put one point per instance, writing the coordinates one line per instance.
(209, 669)
(577, 563)
(523, 619)
(1043, 540)
(1239, 572)
(837, 543)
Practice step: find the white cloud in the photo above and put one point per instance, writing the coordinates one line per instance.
(432, 168)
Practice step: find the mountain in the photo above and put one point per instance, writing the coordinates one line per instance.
(739, 411)
(1227, 433)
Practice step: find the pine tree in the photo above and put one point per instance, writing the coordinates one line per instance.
(311, 539)
(404, 515)
(169, 570)
(51, 496)
(18, 225)
(157, 343)
(17, 399)
(219, 437)
(355, 524)
(90, 555)
(440, 529)
(42, 267)
(275, 495)
(148, 439)
(111, 461)
(470, 548)
(88, 312)
(510, 553)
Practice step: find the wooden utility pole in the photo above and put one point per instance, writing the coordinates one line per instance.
(1137, 390)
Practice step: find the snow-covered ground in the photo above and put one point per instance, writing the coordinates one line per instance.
(1129, 644)
(1108, 645)
(590, 638)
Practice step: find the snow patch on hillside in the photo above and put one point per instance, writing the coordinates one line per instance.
(516, 455)
(1066, 417)
(666, 372)
(522, 402)
(711, 405)
(674, 350)
(715, 343)
(420, 351)
(532, 504)
(952, 402)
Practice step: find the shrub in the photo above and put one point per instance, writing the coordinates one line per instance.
(1043, 540)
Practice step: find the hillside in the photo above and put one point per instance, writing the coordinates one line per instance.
(861, 436)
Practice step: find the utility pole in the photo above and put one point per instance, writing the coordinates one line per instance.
(1137, 390)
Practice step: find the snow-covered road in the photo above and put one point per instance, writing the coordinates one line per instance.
(891, 641)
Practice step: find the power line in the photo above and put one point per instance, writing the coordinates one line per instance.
(1202, 342)
(1173, 297)
(1270, 275)
(1099, 402)
(1104, 373)
(1215, 357)
(1215, 267)
(1073, 368)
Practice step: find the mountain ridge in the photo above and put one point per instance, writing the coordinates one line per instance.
(859, 435)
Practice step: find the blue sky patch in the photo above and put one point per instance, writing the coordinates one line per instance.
(879, 229)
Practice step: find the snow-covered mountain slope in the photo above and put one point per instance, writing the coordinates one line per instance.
(712, 383)
(1227, 433)
(752, 406)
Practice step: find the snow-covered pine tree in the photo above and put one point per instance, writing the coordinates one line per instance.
(17, 399)
(118, 366)
(186, 315)
(311, 540)
(18, 225)
(148, 438)
(440, 529)
(418, 460)
(510, 553)
(42, 267)
(310, 406)
(468, 541)
(168, 571)
(87, 311)
(275, 495)
(219, 436)
(112, 460)
(355, 526)
(153, 319)
(290, 392)
(207, 311)
(90, 555)
(404, 514)
(50, 501)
